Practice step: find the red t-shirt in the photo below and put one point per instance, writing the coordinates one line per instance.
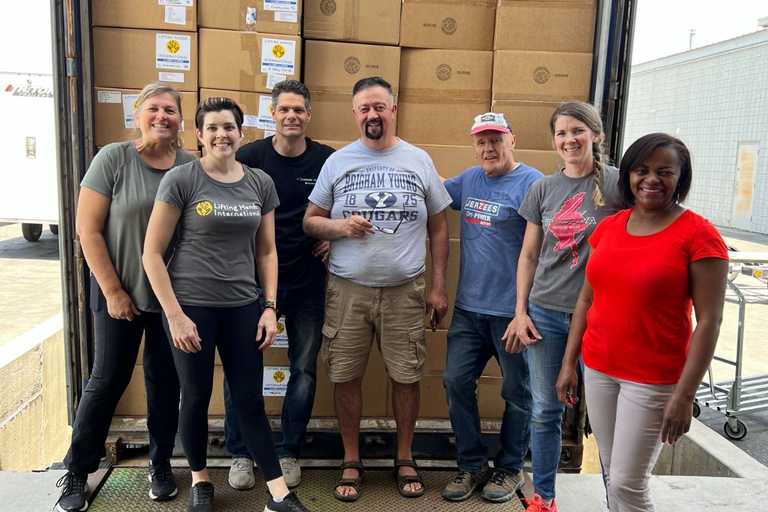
(639, 324)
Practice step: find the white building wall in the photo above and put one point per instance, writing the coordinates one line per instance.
(713, 98)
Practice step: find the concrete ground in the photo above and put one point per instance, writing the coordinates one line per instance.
(30, 281)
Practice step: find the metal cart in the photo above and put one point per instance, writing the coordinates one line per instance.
(735, 397)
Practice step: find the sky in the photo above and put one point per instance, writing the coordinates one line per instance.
(663, 27)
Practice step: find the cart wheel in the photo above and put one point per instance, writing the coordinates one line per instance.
(31, 232)
(696, 410)
(738, 434)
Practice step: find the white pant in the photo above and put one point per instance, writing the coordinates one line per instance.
(626, 418)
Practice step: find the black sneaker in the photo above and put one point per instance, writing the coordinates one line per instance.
(163, 484)
(290, 503)
(201, 497)
(74, 495)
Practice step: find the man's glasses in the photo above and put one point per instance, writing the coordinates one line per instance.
(388, 231)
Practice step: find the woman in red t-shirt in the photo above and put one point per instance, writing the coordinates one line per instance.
(651, 265)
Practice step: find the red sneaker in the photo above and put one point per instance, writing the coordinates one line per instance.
(537, 504)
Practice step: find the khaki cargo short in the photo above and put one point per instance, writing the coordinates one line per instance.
(356, 315)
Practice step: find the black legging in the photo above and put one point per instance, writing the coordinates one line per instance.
(116, 347)
(233, 332)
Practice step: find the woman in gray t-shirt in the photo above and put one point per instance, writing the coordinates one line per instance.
(562, 210)
(221, 217)
(113, 209)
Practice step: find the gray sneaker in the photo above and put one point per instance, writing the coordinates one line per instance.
(291, 471)
(241, 474)
(502, 486)
(462, 486)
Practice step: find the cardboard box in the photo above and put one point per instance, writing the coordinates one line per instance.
(247, 61)
(331, 71)
(273, 17)
(150, 14)
(548, 25)
(441, 91)
(376, 22)
(546, 161)
(541, 76)
(451, 161)
(113, 116)
(529, 121)
(257, 109)
(131, 58)
(448, 24)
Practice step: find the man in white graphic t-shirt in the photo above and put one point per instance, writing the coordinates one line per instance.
(376, 200)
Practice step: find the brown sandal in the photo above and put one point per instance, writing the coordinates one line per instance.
(403, 480)
(355, 483)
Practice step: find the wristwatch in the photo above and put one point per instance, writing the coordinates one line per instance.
(270, 304)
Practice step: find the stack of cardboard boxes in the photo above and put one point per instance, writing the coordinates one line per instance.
(542, 56)
(446, 60)
(136, 42)
(247, 46)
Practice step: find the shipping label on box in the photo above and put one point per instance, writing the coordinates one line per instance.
(278, 56)
(108, 97)
(281, 5)
(281, 338)
(129, 107)
(264, 120)
(173, 51)
(176, 15)
(276, 380)
(185, 3)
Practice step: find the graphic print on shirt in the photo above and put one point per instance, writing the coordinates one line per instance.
(480, 211)
(569, 225)
(205, 208)
(383, 195)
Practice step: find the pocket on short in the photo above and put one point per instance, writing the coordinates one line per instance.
(329, 335)
(418, 341)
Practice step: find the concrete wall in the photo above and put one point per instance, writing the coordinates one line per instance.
(33, 408)
(714, 98)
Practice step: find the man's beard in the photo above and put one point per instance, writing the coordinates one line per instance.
(373, 126)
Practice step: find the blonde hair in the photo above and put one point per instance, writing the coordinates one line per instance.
(587, 114)
(156, 89)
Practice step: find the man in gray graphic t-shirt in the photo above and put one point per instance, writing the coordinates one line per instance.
(376, 200)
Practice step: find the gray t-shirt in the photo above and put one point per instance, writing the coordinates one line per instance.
(118, 172)
(213, 262)
(563, 207)
(396, 189)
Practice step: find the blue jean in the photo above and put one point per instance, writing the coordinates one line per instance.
(473, 339)
(304, 313)
(544, 360)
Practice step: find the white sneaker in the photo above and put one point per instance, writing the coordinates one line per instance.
(291, 471)
(241, 474)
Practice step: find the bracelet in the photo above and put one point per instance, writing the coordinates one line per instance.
(270, 304)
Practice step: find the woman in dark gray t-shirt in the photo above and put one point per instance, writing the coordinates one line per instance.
(562, 210)
(113, 209)
(222, 215)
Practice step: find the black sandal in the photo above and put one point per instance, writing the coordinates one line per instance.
(355, 483)
(403, 480)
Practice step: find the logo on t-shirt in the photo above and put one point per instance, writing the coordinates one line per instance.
(480, 211)
(568, 226)
(380, 199)
(204, 208)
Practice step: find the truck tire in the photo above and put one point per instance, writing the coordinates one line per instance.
(32, 232)
(54, 228)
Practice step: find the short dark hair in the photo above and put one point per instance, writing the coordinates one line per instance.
(218, 104)
(371, 81)
(641, 150)
(291, 86)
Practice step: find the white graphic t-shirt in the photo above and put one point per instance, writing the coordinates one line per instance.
(396, 189)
